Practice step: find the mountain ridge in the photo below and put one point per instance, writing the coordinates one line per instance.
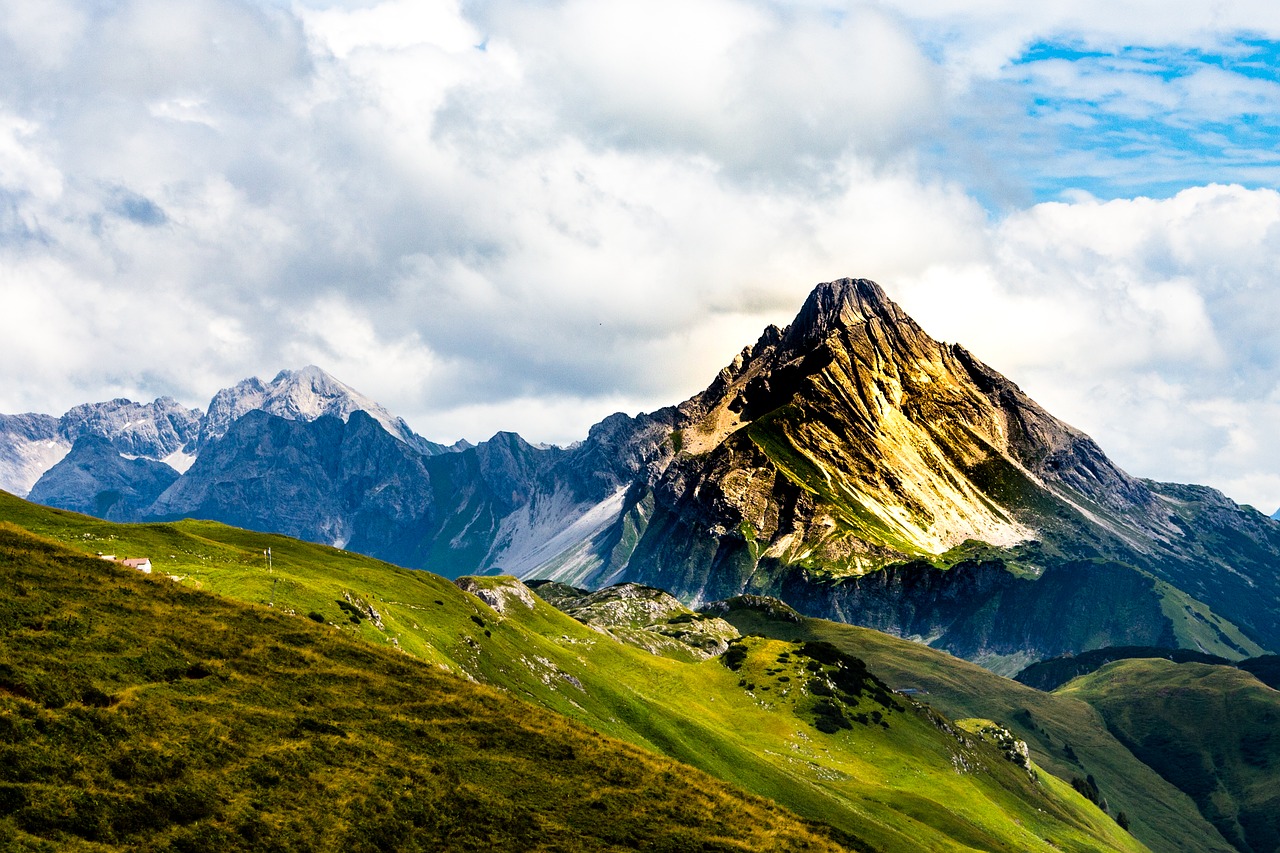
(31, 444)
(164, 431)
(848, 463)
(304, 394)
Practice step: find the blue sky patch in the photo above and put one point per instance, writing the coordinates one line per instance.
(1119, 123)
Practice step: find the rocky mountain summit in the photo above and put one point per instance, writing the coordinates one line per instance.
(848, 464)
(852, 439)
(304, 395)
(164, 431)
(863, 471)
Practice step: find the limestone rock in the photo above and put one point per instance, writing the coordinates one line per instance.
(643, 616)
(303, 395)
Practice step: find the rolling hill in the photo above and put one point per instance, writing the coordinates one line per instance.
(804, 725)
(141, 714)
(1213, 731)
(1066, 735)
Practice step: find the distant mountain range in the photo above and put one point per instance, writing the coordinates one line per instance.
(848, 464)
(31, 444)
(164, 431)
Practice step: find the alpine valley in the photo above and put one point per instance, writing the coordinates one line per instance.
(784, 582)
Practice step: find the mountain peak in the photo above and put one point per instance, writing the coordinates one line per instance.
(892, 431)
(309, 392)
(311, 375)
(844, 303)
(304, 394)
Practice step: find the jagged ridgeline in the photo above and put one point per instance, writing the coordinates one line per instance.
(849, 464)
(334, 706)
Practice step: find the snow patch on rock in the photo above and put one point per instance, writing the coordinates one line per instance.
(179, 460)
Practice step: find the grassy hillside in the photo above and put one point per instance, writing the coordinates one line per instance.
(1214, 731)
(138, 713)
(1066, 735)
(880, 769)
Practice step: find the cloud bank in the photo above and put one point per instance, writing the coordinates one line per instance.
(525, 216)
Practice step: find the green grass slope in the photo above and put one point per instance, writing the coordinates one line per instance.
(1066, 736)
(893, 775)
(137, 713)
(1214, 731)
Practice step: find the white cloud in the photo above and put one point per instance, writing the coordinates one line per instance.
(43, 33)
(523, 216)
(761, 90)
(1151, 324)
(391, 26)
(24, 170)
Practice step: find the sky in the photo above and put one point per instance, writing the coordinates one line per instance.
(527, 215)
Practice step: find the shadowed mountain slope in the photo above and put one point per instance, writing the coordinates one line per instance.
(94, 478)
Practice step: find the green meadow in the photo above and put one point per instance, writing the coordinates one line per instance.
(348, 680)
(1067, 736)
